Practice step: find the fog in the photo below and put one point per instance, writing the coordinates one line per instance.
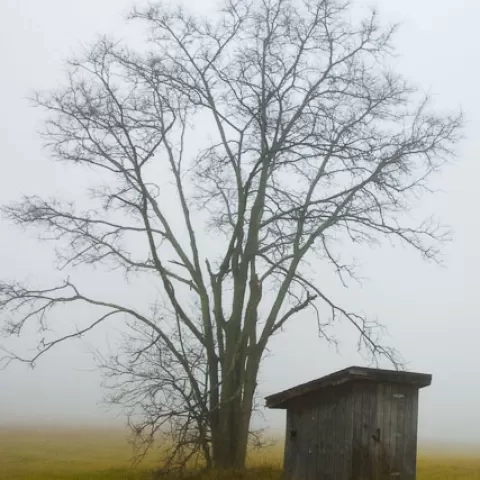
(431, 312)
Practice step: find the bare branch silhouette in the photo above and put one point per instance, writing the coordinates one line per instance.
(233, 152)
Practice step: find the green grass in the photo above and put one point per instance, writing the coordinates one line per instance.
(82, 454)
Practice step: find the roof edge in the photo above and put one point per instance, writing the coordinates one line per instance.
(354, 373)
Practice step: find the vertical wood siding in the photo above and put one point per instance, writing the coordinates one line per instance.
(360, 431)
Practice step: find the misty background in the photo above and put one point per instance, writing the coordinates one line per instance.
(431, 312)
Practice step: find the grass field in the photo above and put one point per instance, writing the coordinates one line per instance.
(40, 454)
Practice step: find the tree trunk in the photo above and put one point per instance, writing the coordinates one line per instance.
(230, 439)
(230, 443)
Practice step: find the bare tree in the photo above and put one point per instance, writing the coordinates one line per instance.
(164, 409)
(282, 130)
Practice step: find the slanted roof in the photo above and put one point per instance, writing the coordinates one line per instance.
(419, 380)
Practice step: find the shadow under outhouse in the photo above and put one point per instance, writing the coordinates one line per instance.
(355, 424)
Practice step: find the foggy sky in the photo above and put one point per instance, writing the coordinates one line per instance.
(431, 312)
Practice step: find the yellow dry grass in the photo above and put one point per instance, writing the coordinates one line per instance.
(81, 454)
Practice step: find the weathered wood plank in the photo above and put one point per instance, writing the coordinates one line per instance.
(329, 470)
(348, 437)
(408, 472)
(341, 422)
(287, 449)
(321, 440)
(335, 436)
(369, 414)
(291, 446)
(357, 433)
(411, 436)
(386, 430)
(400, 398)
(301, 470)
(393, 431)
(377, 434)
(311, 442)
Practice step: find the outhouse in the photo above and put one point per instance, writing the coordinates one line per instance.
(355, 424)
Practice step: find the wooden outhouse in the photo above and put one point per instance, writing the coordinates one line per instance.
(355, 424)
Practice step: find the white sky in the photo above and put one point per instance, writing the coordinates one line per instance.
(431, 313)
